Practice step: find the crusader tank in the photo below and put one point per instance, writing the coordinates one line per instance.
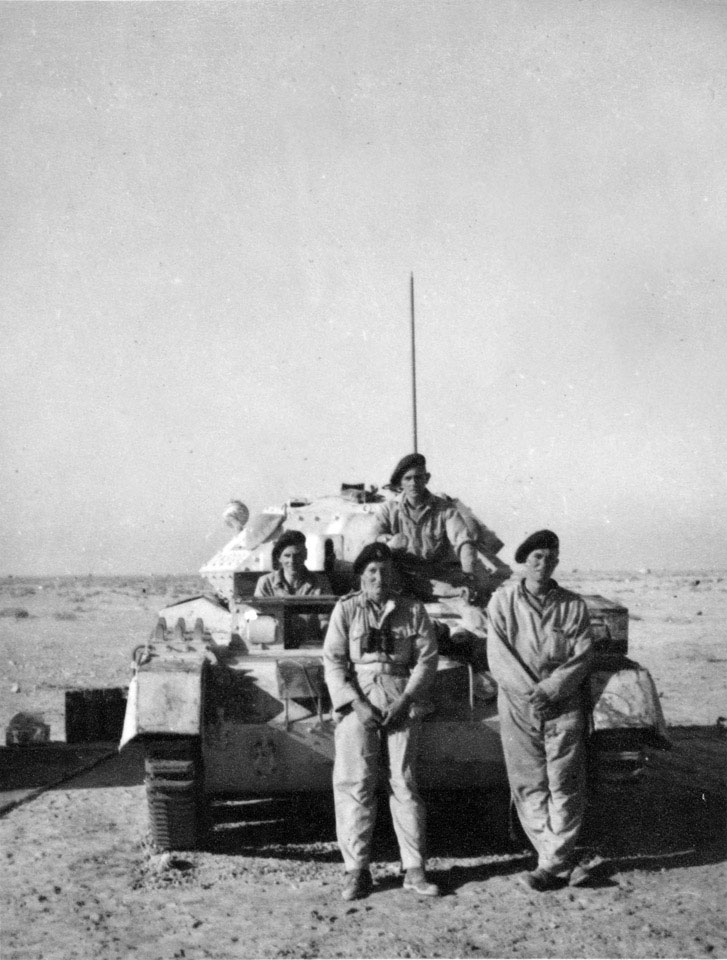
(227, 696)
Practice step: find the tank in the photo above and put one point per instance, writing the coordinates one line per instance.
(227, 696)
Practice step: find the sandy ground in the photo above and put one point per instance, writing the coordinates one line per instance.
(81, 880)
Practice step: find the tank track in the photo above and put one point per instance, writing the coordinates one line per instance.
(175, 794)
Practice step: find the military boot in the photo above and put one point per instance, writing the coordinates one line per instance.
(541, 880)
(415, 879)
(357, 885)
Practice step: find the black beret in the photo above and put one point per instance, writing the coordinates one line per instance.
(406, 463)
(371, 553)
(288, 538)
(540, 540)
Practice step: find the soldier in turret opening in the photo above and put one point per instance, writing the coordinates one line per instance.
(539, 649)
(291, 578)
(380, 657)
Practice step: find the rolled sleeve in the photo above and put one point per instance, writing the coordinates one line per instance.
(457, 532)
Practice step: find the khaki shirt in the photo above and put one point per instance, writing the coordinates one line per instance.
(413, 655)
(435, 530)
(552, 638)
(275, 585)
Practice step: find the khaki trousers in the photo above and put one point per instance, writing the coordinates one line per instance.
(355, 772)
(545, 763)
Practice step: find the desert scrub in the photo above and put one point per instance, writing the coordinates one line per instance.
(20, 613)
(16, 592)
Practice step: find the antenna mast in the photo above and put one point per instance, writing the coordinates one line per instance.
(413, 368)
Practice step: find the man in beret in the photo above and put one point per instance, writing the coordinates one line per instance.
(380, 657)
(435, 550)
(539, 650)
(291, 578)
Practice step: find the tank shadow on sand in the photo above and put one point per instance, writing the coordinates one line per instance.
(58, 765)
(28, 771)
(673, 816)
(459, 825)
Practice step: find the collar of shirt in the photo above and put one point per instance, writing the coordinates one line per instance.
(417, 511)
(376, 614)
(539, 603)
(280, 581)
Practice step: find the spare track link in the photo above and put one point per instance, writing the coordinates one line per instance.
(174, 794)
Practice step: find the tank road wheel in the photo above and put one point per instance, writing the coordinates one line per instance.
(175, 794)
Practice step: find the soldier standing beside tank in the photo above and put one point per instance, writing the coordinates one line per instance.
(380, 657)
(434, 550)
(539, 650)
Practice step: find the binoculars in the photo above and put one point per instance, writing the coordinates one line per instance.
(377, 640)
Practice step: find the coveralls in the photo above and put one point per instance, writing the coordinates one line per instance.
(358, 668)
(545, 759)
(435, 534)
(307, 627)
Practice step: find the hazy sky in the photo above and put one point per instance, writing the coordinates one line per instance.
(210, 213)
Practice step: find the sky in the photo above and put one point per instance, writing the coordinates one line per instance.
(210, 214)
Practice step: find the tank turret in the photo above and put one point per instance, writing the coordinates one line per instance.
(336, 528)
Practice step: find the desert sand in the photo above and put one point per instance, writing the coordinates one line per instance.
(80, 879)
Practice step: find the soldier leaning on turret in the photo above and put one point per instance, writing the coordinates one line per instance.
(380, 656)
(433, 547)
(539, 649)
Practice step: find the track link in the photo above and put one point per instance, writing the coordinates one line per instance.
(175, 794)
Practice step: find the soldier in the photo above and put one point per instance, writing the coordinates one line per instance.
(434, 549)
(380, 657)
(540, 652)
(291, 577)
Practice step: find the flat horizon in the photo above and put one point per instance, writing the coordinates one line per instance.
(574, 571)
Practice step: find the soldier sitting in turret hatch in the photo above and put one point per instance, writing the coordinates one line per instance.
(434, 550)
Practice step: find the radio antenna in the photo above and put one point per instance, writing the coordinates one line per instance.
(413, 368)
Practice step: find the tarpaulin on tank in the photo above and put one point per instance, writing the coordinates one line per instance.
(624, 698)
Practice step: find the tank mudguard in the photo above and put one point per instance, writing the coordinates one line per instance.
(624, 700)
(164, 702)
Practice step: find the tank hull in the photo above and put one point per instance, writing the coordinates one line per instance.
(293, 751)
(262, 760)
